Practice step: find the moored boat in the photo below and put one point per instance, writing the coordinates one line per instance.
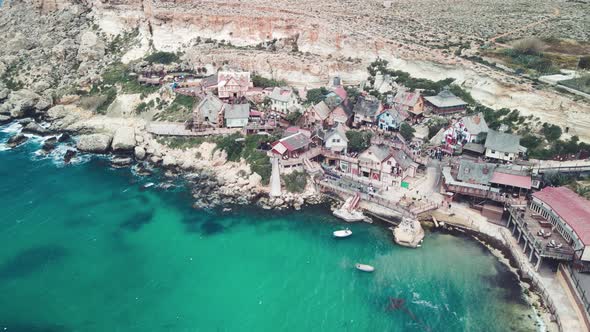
(343, 233)
(364, 267)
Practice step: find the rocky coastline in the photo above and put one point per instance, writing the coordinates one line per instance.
(213, 181)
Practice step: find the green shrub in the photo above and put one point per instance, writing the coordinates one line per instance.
(264, 82)
(293, 117)
(182, 142)
(358, 140)
(314, 96)
(530, 141)
(118, 74)
(407, 131)
(231, 145)
(435, 125)
(162, 57)
(295, 182)
(141, 107)
(551, 132)
(179, 110)
(248, 149)
(108, 96)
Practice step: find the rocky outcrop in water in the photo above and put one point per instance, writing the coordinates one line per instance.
(49, 144)
(121, 161)
(69, 155)
(36, 129)
(139, 153)
(4, 119)
(16, 140)
(95, 143)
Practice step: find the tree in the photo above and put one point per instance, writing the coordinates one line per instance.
(295, 182)
(293, 117)
(551, 132)
(407, 131)
(314, 96)
(162, 57)
(358, 140)
(530, 141)
(231, 145)
(435, 125)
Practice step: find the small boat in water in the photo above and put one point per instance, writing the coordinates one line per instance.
(364, 267)
(343, 233)
(148, 185)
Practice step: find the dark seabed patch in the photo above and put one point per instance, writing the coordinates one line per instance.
(211, 228)
(30, 260)
(137, 221)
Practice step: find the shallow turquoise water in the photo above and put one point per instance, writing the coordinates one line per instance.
(84, 249)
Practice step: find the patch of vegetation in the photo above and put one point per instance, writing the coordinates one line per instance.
(119, 75)
(535, 61)
(293, 117)
(162, 57)
(435, 125)
(182, 142)
(264, 82)
(352, 93)
(233, 145)
(495, 118)
(181, 109)
(122, 42)
(407, 131)
(581, 188)
(358, 140)
(314, 96)
(295, 182)
(551, 132)
(116, 78)
(143, 106)
(581, 83)
(236, 147)
(540, 148)
(258, 160)
(107, 95)
(9, 76)
(430, 88)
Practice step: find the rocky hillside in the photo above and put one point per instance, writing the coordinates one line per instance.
(57, 48)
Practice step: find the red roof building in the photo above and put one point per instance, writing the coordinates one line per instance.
(569, 213)
(292, 145)
(512, 180)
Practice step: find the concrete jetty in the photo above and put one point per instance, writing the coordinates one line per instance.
(408, 233)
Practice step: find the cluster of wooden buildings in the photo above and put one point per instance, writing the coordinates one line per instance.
(229, 99)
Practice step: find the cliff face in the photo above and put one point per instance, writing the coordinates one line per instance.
(174, 24)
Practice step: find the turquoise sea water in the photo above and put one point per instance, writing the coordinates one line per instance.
(85, 249)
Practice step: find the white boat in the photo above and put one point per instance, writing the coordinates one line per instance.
(343, 233)
(149, 184)
(364, 267)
